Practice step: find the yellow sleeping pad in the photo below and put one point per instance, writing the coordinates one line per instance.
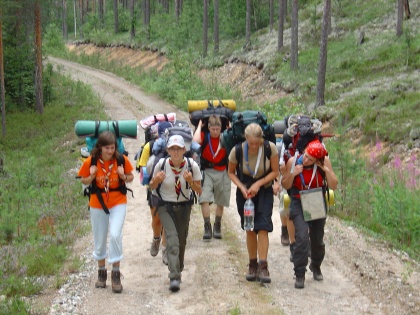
(204, 104)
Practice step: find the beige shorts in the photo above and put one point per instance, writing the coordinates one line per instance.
(284, 212)
(216, 187)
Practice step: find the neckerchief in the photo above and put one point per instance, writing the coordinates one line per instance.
(258, 160)
(211, 147)
(107, 174)
(177, 171)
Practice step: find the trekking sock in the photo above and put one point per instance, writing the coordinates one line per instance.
(101, 267)
(115, 268)
(218, 219)
(207, 220)
(156, 238)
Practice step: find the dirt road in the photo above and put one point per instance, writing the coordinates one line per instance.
(361, 275)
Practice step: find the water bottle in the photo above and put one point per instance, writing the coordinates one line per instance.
(249, 215)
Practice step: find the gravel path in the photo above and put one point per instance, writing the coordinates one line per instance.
(361, 275)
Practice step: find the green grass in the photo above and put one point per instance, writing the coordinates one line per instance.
(40, 157)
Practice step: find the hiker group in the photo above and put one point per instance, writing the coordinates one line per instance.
(181, 166)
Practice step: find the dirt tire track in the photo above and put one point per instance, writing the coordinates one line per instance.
(362, 276)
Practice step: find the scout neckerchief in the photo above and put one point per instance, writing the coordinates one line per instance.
(107, 174)
(258, 160)
(177, 171)
(211, 147)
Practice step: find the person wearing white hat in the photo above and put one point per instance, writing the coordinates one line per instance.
(175, 179)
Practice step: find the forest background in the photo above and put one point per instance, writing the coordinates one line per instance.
(370, 98)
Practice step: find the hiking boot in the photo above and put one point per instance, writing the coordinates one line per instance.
(116, 282)
(174, 285)
(102, 276)
(300, 282)
(217, 233)
(284, 236)
(165, 256)
(207, 231)
(262, 274)
(154, 248)
(316, 272)
(252, 270)
(292, 251)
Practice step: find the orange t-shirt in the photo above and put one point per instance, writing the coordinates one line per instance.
(207, 154)
(115, 197)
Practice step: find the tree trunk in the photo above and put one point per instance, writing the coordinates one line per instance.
(132, 18)
(82, 16)
(116, 26)
(216, 26)
(178, 5)
(271, 4)
(294, 36)
(146, 7)
(64, 17)
(322, 67)
(2, 91)
(407, 9)
(280, 40)
(205, 26)
(75, 18)
(248, 24)
(39, 100)
(101, 13)
(399, 17)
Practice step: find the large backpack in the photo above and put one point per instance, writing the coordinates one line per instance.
(225, 113)
(240, 120)
(94, 189)
(158, 148)
(300, 131)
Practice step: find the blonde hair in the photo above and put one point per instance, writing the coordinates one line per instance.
(253, 130)
(215, 121)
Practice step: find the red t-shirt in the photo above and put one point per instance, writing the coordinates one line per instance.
(208, 155)
(115, 197)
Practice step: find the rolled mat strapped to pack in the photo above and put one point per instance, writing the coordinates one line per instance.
(203, 104)
(92, 128)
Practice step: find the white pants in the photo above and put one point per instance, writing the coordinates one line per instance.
(101, 223)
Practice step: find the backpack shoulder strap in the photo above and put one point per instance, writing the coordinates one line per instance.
(239, 159)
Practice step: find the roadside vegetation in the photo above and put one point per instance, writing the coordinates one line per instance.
(372, 93)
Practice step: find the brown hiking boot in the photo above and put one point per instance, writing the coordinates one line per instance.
(252, 270)
(217, 233)
(262, 274)
(284, 236)
(102, 276)
(116, 282)
(207, 231)
(154, 247)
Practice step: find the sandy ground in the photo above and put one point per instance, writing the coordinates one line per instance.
(361, 274)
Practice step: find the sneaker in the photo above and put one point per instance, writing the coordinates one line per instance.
(262, 274)
(217, 233)
(165, 256)
(116, 282)
(300, 282)
(252, 271)
(207, 231)
(154, 248)
(174, 285)
(285, 236)
(292, 251)
(102, 276)
(316, 272)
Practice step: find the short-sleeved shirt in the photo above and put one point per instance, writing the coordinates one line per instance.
(115, 197)
(167, 188)
(252, 161)
(213, 145)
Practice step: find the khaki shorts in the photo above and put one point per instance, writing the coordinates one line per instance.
(284, 212)
(216, 187)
